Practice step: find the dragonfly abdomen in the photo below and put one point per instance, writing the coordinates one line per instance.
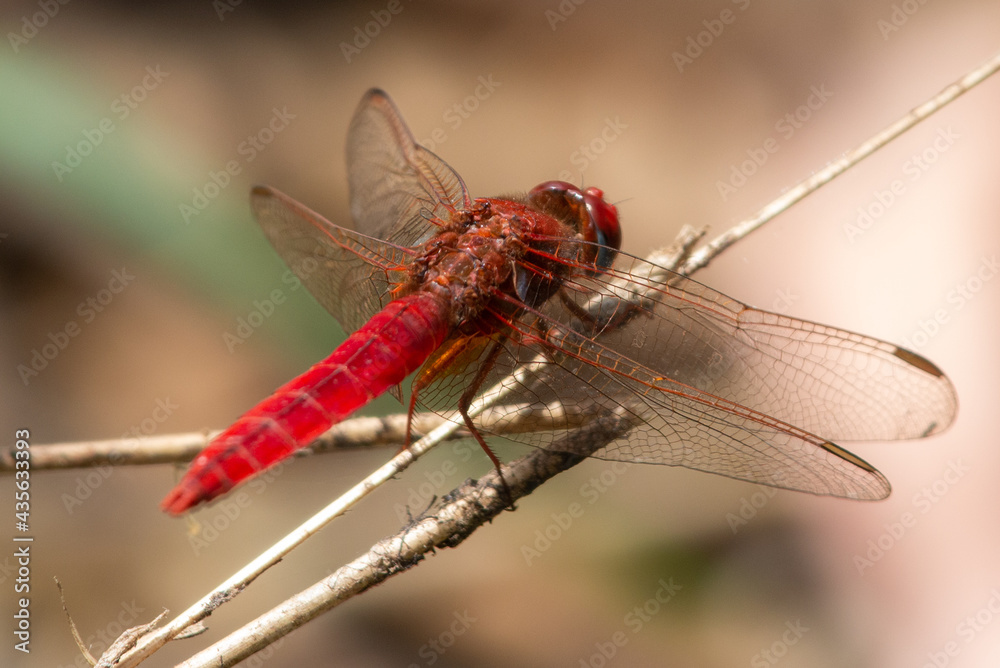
(379, 355)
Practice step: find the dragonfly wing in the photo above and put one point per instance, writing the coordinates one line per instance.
(398, 188)
(400, 195)
(705, 381)
(679, 426)
(671, 424)
(827, 381)
(348, 273)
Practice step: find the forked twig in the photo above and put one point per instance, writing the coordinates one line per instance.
(72, 627)
(122, 644)
(466, 508)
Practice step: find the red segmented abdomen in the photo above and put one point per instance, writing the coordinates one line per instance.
(388, 348)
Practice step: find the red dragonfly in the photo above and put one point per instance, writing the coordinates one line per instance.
(465, 291)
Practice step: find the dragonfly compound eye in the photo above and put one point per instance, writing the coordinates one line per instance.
(604, 220)
(595, 219)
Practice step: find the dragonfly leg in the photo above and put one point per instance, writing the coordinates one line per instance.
(409, 420)
(439, 363)
(609, 315)
(465, 401)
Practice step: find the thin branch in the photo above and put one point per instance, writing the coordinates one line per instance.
(353, 434)
(466, 508)
(447, 523)
(838, 167)
(238, 581)
(82, 646)
(360, 432)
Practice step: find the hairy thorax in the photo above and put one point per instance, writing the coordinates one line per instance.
(473, 260)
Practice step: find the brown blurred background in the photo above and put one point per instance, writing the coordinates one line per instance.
(198, 80)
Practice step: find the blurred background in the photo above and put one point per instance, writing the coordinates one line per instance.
(130, 134)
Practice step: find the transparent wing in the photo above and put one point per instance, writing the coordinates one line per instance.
(709, 383)
(397, 186)
(401, 194)
(678, 425)
(825, 380)
(349, 274)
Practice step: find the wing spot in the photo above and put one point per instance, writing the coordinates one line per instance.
(849, 456)
(917, 361)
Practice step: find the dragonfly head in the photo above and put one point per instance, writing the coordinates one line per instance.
(595, 219)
